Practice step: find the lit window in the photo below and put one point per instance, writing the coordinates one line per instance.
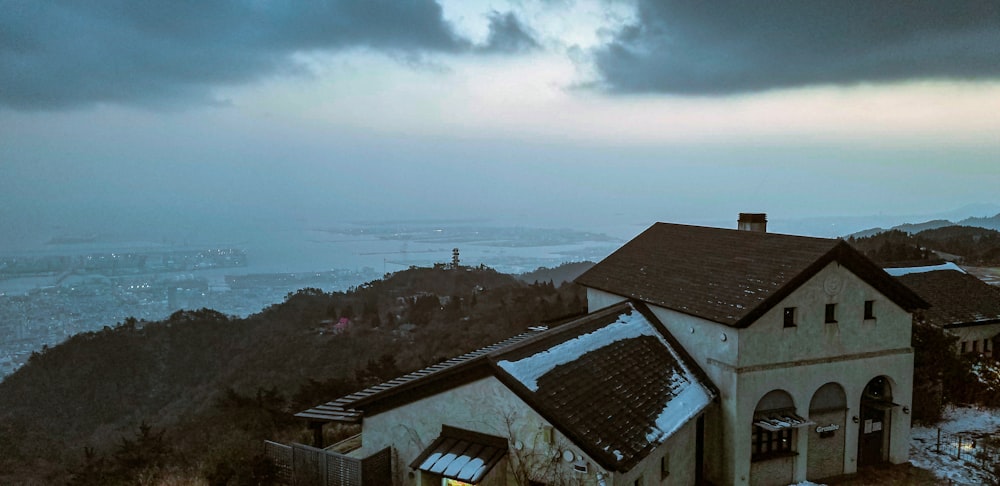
(831, 313)
(789, 317)
(765, 443)
(869, 309)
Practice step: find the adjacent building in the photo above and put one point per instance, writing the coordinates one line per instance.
(961, 304)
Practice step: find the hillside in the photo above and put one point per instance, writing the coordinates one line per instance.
(215, 386)
(966, 245)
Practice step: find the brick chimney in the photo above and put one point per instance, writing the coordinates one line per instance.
(753, 222)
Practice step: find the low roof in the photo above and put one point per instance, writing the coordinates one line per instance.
(463, 455)
(957, 299)
(614, 382)
(727, 276)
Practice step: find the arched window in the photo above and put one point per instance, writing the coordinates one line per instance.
(774, 425)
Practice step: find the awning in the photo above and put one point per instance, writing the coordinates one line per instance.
(462, 454)
(776, 420)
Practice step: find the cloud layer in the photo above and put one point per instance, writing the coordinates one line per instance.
(734, 46)
(62, 54)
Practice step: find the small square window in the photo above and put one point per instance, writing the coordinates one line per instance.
(869, 309)
(789, 317)
(831, 313)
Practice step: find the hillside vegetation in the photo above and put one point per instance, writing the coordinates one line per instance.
(966, 245)
(193, 397)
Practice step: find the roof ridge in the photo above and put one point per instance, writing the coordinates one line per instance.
(340, 410)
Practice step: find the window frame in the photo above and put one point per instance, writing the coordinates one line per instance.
(830, 314)
(869, 310)
(789, 317)
(765, 444)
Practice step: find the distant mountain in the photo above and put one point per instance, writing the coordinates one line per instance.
(992, 222)
(918, 227)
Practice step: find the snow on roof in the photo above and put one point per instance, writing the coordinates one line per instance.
(679, 410)
(686, 396)
(896, 272)
(528, 370)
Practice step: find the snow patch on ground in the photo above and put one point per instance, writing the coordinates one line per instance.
(967, 423)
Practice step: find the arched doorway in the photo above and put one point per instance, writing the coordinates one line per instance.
(874, 426)
(828, 409)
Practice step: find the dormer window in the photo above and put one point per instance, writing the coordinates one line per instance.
(789, 317)
(831, 314)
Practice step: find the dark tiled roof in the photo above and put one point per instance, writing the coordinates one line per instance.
(617, 397)
(957, 299)
(343, 409)
(727, 276)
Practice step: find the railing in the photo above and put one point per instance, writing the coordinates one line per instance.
(302, 465)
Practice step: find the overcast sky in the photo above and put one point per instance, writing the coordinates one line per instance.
(155, 113)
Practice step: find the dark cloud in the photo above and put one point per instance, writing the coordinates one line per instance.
(58, 54)
(733, 46)
(508, 35)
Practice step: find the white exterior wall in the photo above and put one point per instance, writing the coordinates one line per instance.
(482, 406)
(745, 364)
(680, 448)
(977, 334)
(599, 299)
(714, 347)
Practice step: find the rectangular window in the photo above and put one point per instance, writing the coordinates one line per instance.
(869, 309)
(789, 317)
(638, 481)
(986, 345)
(975, 346)
(831, 313)
(963, 347)
(665, 465)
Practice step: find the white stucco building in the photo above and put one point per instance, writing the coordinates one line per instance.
(734, 357)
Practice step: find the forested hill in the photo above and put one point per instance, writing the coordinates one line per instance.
(967, 245)
(193, 396)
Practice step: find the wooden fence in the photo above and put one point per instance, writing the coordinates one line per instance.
(302, 465)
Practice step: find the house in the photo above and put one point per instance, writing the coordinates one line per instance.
(805, 329)
(604, 399)
(708, 355)
(961, 304)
